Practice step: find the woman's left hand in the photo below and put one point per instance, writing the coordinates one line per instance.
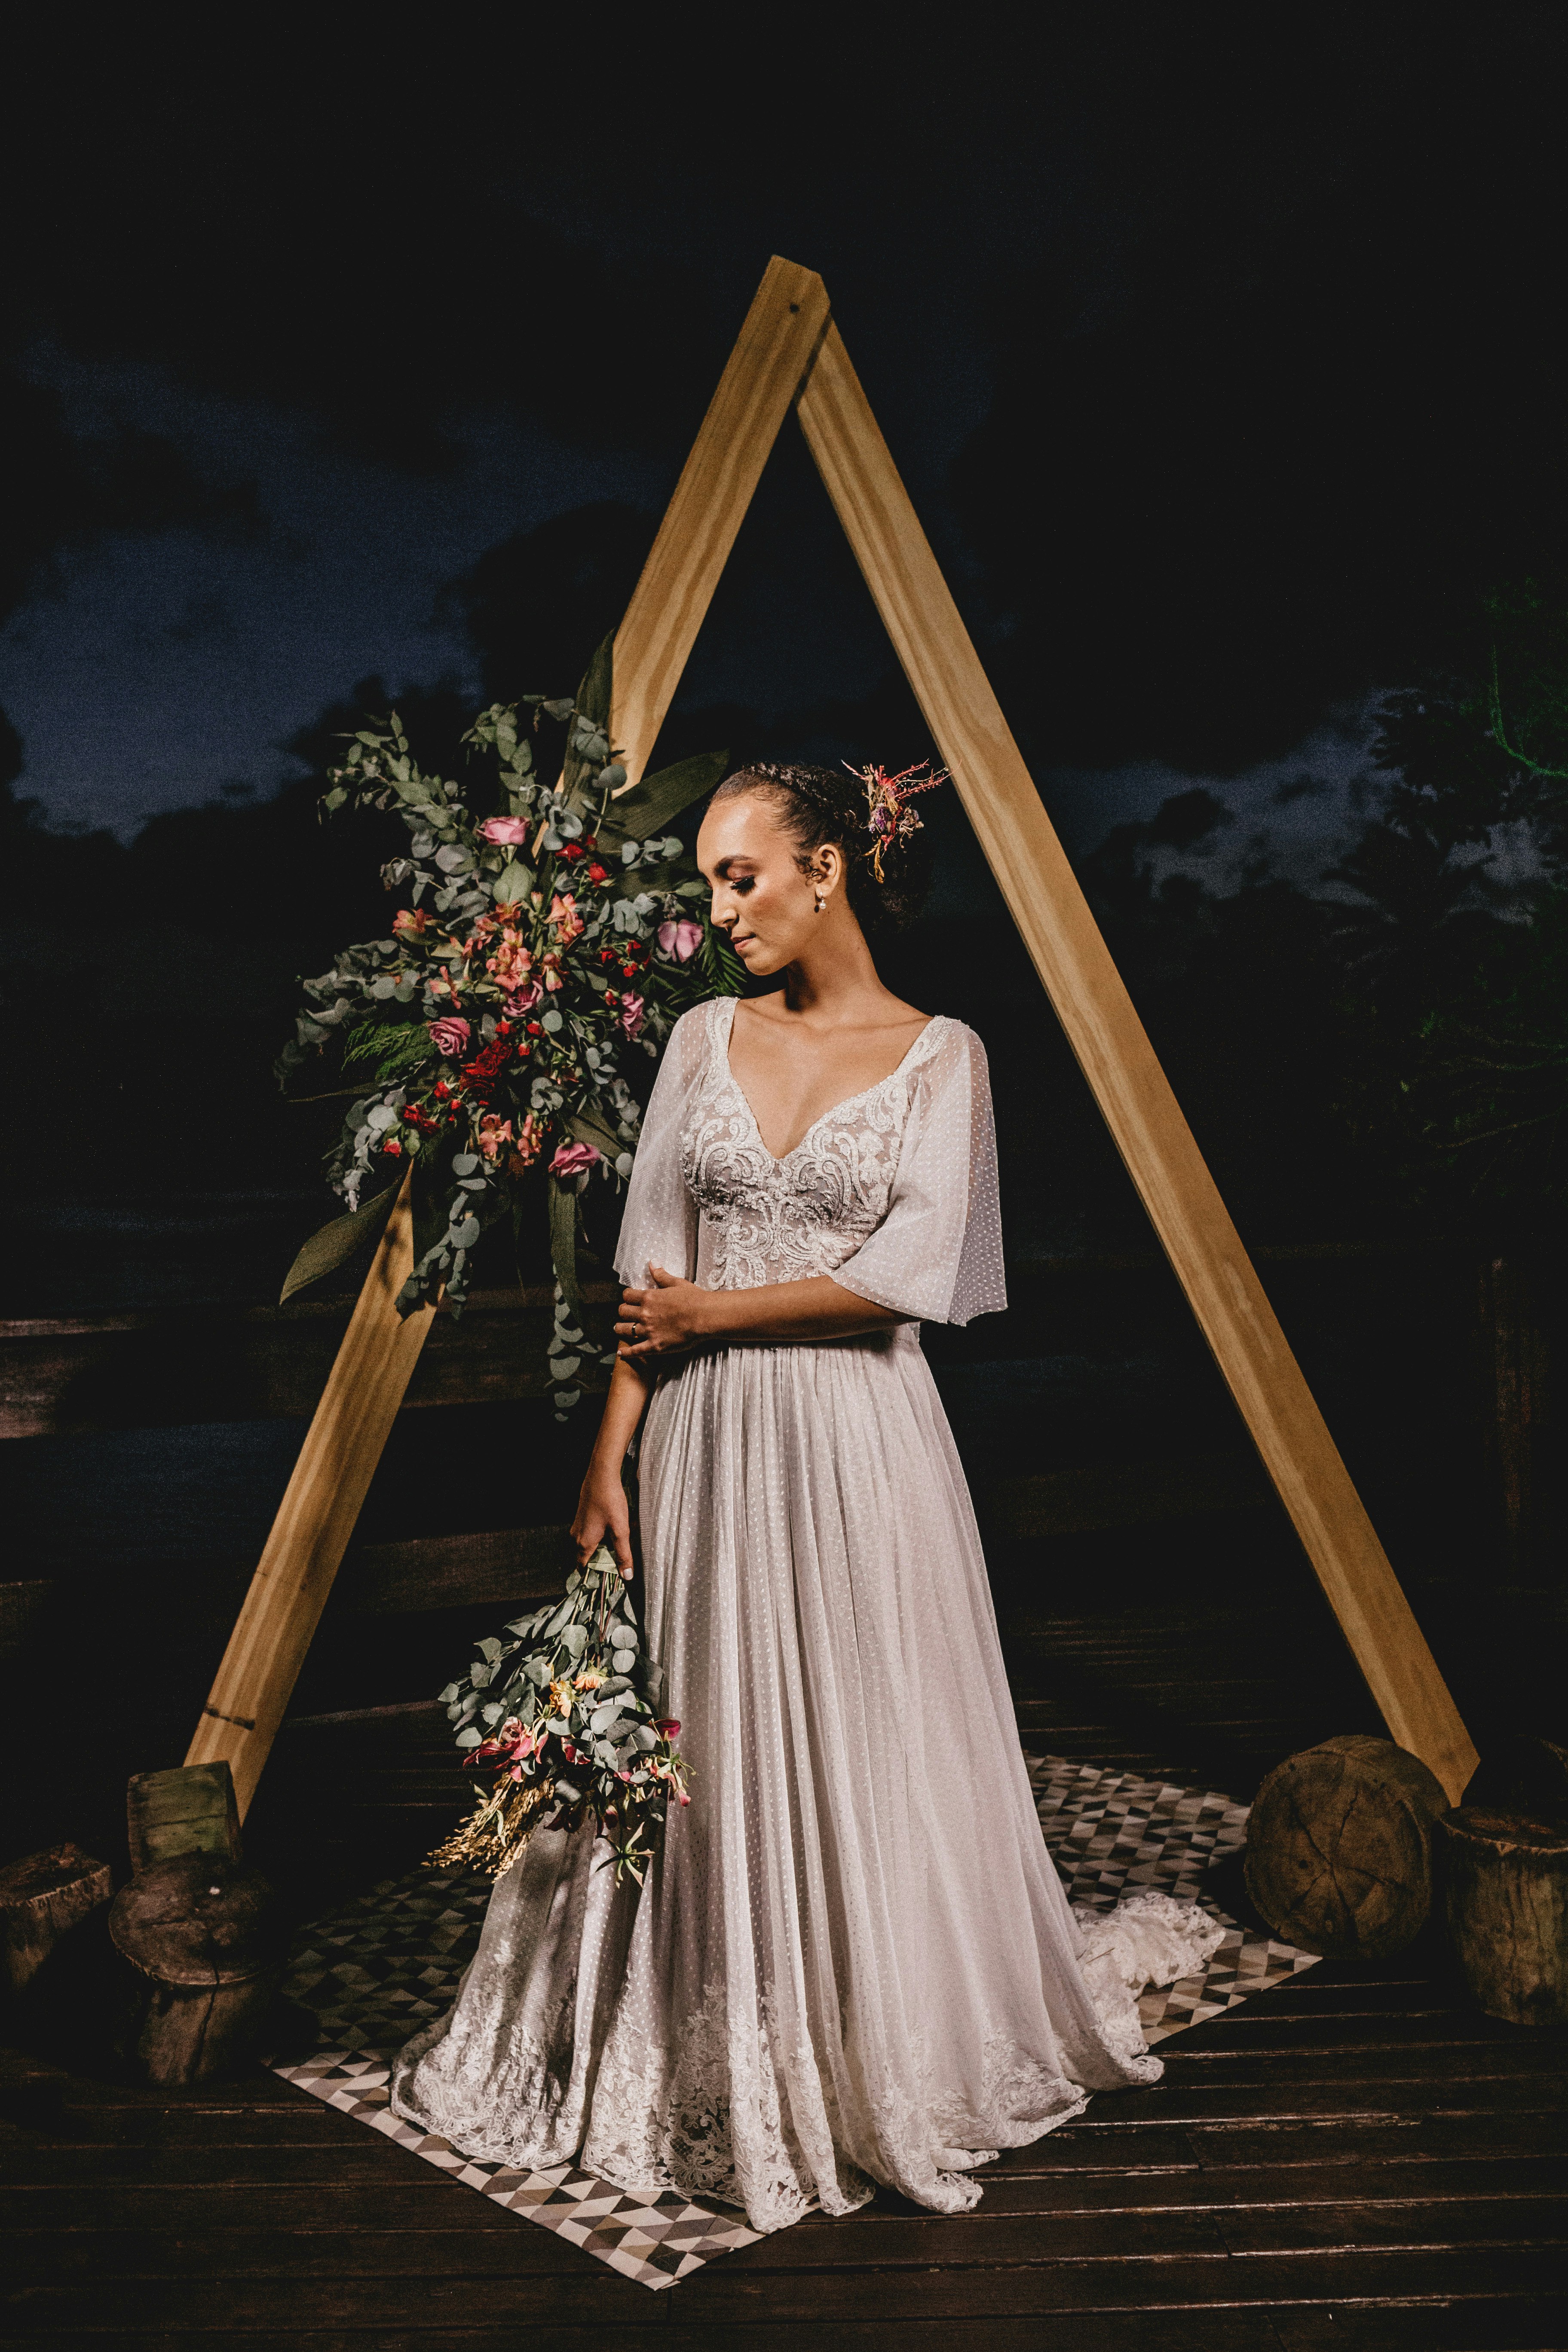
(663, 1320)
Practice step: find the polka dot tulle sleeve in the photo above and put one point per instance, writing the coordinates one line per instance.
(937, 1253)
(660, 1224)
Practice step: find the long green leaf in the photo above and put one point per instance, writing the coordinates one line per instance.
(336, 1243)
(563, 1242)
(594, 694)
(588, 1127)
(649, 806)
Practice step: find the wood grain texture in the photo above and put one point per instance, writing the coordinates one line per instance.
(671, 601)
(316, 1517)
(1133, 1092)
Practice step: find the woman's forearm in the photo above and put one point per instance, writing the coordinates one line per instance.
(818, 1309)
(623, 1406)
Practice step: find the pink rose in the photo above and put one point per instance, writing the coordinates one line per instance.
(573, 1160)
(449, 1037)
(511, 830)
(680, 940)
(632, 1011)
(522, 1000)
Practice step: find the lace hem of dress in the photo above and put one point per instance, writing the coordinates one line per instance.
(743, 2118)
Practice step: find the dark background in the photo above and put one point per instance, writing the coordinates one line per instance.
(1224, 359)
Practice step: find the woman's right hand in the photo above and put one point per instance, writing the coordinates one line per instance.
(604, 1516)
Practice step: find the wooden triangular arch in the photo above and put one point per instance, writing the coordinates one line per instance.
(789, 354)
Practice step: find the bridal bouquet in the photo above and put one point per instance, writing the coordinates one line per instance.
(562, 1715)
(540, 944)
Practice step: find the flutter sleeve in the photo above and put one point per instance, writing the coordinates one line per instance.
(937, 1254)
(658, 1224)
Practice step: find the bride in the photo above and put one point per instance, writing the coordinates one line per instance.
(853, 1961)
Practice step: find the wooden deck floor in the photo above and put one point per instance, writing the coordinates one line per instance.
(1355, 2163)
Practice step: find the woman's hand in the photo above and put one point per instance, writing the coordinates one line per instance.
(663, 1320)
(604, 1516)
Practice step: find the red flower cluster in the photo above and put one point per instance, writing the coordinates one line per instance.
(480, 1075)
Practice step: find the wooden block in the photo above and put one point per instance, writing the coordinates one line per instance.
(1521, 1774)
(1338, 1847)
(1504, 1881)
(201, 1938)
(189, 1809)
(41, 1899)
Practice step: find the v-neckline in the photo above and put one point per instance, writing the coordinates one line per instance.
(782, 1159)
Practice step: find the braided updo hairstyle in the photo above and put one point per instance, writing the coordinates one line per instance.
(817, 806)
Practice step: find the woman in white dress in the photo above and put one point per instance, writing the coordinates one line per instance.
(853, 1961)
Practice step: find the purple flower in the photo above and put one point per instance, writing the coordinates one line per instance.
(449, 1037)
(632, 1011)
(680, 940)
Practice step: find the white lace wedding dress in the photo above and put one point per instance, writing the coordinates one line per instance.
(854, 1961)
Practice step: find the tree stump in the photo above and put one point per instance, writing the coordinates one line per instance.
(1505, 1895)
(1338, 1847)
(201, 1934)
(41, 1900)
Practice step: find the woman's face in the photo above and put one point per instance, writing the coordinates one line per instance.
(760, 897)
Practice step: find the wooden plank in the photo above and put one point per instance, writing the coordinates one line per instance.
(1133, 1092)
(316, 1517)
(764, 371)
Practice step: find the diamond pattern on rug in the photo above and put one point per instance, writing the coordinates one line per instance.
(1111, 1832)
(387, 1963)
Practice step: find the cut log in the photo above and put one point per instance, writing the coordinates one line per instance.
(1505, 1899)
(1338, 1847)
(202, 1936)
(190, 1809)
(41, 1900)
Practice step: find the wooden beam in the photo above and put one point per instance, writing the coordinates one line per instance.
(765, 371)
(1132, 1091)
(316, 1518)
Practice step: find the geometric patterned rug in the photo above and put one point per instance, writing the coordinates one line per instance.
(377, 1970)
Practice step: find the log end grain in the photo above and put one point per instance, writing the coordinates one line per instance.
(1338, 1847)
(202, 1939)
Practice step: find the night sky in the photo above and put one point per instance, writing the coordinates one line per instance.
(1222, 356)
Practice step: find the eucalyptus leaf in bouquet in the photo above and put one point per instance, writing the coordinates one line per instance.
(561, 1716)
(536, 948)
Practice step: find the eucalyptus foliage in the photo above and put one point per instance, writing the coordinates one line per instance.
(536, 948)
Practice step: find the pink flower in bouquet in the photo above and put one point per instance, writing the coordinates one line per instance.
(666, 1725)
(410, 923)
(550, 965)
(522, 1000)
(511, 830)
(568, 922)
(494, 1134)
(632, 1011)
(513, 961)
(573, 1160)
(530, 1143)
(680, 940)
(449, 1037)
(440, 983)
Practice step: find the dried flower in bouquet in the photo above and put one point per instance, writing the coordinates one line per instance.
(537, 947)
(562, 1717)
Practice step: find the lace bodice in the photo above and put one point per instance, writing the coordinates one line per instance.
(893, 1191)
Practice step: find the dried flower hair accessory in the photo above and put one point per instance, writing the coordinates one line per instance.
(888, 819)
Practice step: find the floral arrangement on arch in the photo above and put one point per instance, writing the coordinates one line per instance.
(538, 946)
